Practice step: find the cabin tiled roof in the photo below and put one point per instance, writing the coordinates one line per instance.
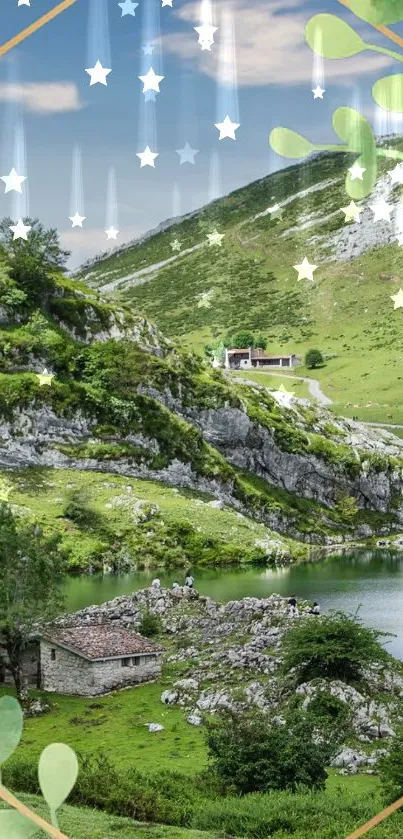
(96, 643)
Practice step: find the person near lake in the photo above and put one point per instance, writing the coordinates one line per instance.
(189, 580)
(292, 603)
(175, 586)
(315, 609)
(156, 584)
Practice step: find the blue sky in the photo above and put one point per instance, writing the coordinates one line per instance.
(60, 110)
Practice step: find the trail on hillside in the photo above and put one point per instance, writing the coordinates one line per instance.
(313, 386)
(149, 270)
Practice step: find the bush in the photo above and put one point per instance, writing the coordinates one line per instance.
(249, 754)
(390, 769)
(335, 646)
(313, 358)
(150, 625)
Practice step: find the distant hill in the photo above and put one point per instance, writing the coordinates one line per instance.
(199, 294)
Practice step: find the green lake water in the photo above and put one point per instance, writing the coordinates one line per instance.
(368, 581)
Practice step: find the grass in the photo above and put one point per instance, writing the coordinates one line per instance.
(274, 381)
(118, 727)
(346, 312)
(82, 823)
(45, 493)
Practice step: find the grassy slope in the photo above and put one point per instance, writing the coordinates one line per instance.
(82, 823)
(118, 727)
(45, 493)
(346, 312)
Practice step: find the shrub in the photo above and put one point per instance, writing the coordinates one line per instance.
(249, 754)
(150, 625)
(390, 769)
(335, 646)
(313, 358)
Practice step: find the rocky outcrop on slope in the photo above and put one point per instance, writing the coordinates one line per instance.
(234, 661)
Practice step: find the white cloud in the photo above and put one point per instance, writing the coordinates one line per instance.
(43, 97)
(270, 45)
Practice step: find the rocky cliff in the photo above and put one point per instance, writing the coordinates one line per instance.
(125, 400)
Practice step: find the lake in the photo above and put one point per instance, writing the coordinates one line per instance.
(368, 581)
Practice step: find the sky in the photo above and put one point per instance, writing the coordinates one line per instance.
(263, 73)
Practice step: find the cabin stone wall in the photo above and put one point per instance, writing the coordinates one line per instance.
(68, 673)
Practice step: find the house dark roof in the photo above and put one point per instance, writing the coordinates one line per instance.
(100, 642)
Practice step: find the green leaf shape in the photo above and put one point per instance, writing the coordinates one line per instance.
(289, 143)
(357, 188)
(378, 11)
(15, 826)
(57, 773)
(388, 92)
(11, 722)
(354, 130)
(331, 37)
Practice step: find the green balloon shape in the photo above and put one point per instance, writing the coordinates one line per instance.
(57, 773)
(329, 36)
(378, 11)
(361, 188)
(388, 92)
(15, 826)
(11, 722)
(289, 143)
(354, 130)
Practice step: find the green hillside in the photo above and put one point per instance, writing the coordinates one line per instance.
(249, 281)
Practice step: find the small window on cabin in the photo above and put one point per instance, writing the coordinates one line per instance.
(126, 662)
(53, 655)
(136, 660)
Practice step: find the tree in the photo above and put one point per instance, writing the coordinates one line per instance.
(150, 625)
(241, 340)
(33, 263)
(249, 754)
(31, 571)
(335, 646)
(313, 358)
(260, 341)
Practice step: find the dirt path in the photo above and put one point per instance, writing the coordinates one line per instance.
(313, 387)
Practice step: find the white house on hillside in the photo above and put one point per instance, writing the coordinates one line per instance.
(247, 359)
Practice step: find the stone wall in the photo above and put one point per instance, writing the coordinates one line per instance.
(71, 674)
(29, 667)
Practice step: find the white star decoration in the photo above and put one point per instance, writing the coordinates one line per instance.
(147, 157)
(318, 92)
(13, 181)
(20, 230)
(187, 154)
(176, 246)
(128, 8)
(77, 220)
(204, 300)
(45, 378)
(166, 3)
(397, 299)
(305, 270)
(215, 237)
(396, 174)
(148, 48)
(352, 212)
(381, 210)
(112, 233)
(227, 128)
(24, 2)
(356, 171)
(206, 35)
(98, 74)
(151, 81)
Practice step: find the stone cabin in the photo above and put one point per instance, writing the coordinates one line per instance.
(250, 358)
(90, 660)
